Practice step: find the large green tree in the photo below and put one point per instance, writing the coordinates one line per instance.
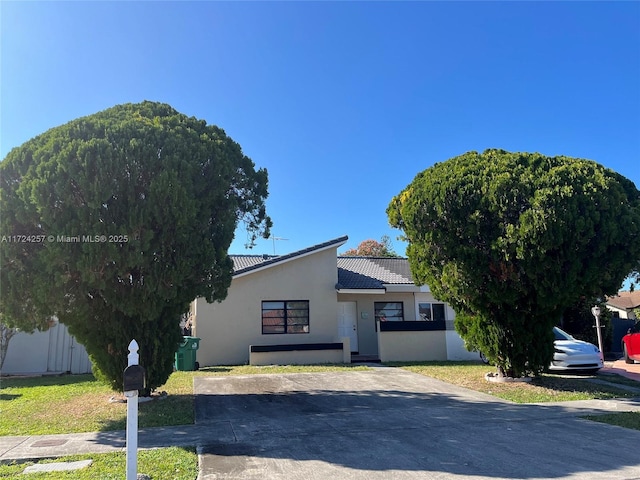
(116, 221)
(511, 240)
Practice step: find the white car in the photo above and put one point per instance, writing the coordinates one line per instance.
(571, 354)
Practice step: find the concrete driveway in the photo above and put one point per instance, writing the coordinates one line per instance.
(387, 423)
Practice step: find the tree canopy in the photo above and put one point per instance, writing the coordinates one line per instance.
(372, 248)
(116, 221)
(511, 240)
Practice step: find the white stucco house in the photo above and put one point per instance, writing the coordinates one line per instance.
(313, 306)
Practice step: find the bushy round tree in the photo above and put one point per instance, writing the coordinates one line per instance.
(511, 240)
(116, 221)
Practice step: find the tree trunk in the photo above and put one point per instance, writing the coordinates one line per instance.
(5, 335)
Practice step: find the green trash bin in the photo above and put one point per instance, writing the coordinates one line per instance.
(185, 359)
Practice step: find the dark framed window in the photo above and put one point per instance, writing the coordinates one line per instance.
(431, 312)
(285, 316)
(389, 311)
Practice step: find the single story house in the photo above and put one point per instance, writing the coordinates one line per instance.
(622, 307)
(313, 306)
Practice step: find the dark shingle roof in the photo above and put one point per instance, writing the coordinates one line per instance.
(246, 263)
(372, 272)
(241, 262)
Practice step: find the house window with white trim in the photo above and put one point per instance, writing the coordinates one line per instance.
(431, 312)
(286, 316)
(389, 311)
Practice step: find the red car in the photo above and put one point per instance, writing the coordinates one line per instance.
(631, 344)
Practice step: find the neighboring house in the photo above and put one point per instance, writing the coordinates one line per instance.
(51, 351)
(312, 306)
(624, 303)
(622, 307)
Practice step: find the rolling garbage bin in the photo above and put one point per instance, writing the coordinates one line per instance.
(185, 359)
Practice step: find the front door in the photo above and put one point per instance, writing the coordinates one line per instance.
(348, 323)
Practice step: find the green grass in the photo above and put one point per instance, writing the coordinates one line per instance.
(545, 388)
(163, 463)
(623, 419)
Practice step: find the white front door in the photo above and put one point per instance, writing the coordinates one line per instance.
(348, 323)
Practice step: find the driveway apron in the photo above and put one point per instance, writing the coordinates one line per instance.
(387, 423)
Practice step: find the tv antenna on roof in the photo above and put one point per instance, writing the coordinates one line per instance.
(274, 242)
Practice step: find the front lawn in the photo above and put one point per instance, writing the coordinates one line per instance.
(545, 388)
(170, 463)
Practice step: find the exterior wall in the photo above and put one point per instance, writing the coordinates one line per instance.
(51, 351)
(228, 328)
(412, 346)
(367, 334)
(455, 348)
(368, 338)
(622, 312)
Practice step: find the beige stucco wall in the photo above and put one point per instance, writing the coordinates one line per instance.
(228, 328)
(412, 346)
(368, 336)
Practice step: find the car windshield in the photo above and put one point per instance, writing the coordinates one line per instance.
(561, 334)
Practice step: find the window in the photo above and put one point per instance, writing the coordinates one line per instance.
(389, 311)
(431, 312)
(285, 316)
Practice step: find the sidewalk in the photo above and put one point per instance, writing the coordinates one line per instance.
(629, 370)
(50, 446)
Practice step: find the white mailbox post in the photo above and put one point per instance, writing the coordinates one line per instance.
(134, 380)
(596, 313)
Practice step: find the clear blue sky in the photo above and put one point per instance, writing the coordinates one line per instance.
(343, 102)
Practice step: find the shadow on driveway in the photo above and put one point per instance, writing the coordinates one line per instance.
(392, 424)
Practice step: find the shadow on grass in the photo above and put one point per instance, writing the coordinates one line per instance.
(583, 384)
(215, 369)
(164, 411)
(8, 396)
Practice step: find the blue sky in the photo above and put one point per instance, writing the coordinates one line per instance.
(343, 102)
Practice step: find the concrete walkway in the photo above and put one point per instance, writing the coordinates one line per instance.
(380, 424)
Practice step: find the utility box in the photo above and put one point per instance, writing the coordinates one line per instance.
(185, 359)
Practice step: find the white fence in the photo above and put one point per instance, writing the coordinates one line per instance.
(53, 351)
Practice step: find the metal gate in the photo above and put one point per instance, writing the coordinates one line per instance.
(66, 355)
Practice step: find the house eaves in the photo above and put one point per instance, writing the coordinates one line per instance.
(270, 261)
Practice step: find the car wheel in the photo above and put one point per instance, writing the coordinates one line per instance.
(625, 354)
(484, 359)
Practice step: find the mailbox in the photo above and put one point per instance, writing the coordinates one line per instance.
(134, 378)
